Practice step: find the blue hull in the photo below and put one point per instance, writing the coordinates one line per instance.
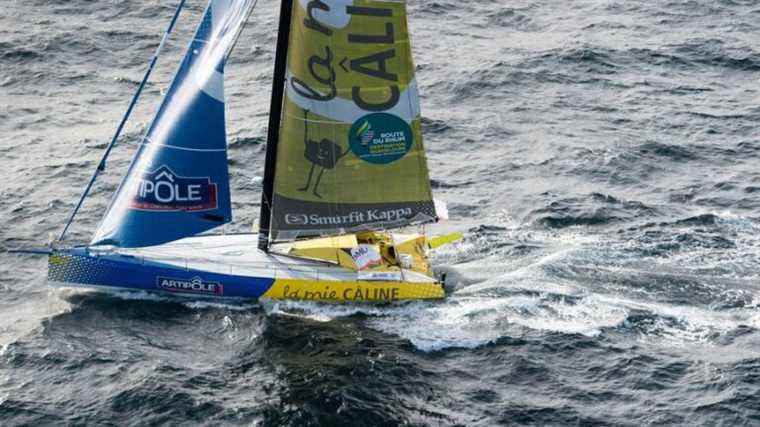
(78, 267)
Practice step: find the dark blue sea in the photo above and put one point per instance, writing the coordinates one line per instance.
(601, 156)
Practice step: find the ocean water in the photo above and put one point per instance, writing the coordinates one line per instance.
(601, 155)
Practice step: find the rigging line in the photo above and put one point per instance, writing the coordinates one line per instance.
(240, 31)
(102, 164)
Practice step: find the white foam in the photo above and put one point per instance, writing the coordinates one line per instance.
(23, 316)
(204, 305)
(519, 296)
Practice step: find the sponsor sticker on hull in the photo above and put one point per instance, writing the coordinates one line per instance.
(195, 285)
(366, 256)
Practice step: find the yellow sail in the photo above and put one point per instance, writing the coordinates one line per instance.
(350, 155)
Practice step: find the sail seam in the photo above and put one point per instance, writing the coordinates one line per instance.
(204, 150)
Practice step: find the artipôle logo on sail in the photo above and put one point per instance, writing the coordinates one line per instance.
(163, 190)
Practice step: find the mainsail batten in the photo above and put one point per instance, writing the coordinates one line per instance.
(350, 155)
(178, 182)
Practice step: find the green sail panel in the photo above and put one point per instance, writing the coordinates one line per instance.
(350, 155)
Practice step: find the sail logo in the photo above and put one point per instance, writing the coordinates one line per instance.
(388, 216)
(373, 54)
(296, 219)
(323, 155)
(196, 285)
(380, 138)
(163, 190)
(365, 133)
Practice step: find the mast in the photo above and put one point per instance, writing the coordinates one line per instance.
(275, 115)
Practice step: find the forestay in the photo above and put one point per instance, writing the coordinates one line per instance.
(178, 183)
(350, 155)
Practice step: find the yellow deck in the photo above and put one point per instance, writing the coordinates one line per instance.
(391, 247)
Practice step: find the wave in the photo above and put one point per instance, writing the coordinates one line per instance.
(591, 210)
(511, 18)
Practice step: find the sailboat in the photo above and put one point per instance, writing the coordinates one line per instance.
(345, 170)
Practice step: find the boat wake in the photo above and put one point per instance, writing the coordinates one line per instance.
(517, 281)
(537, 282)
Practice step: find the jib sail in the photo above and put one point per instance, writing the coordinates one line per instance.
(349, 155)
(178, 183)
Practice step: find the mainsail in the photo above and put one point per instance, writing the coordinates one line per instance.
(349, 156)
(178, 182)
